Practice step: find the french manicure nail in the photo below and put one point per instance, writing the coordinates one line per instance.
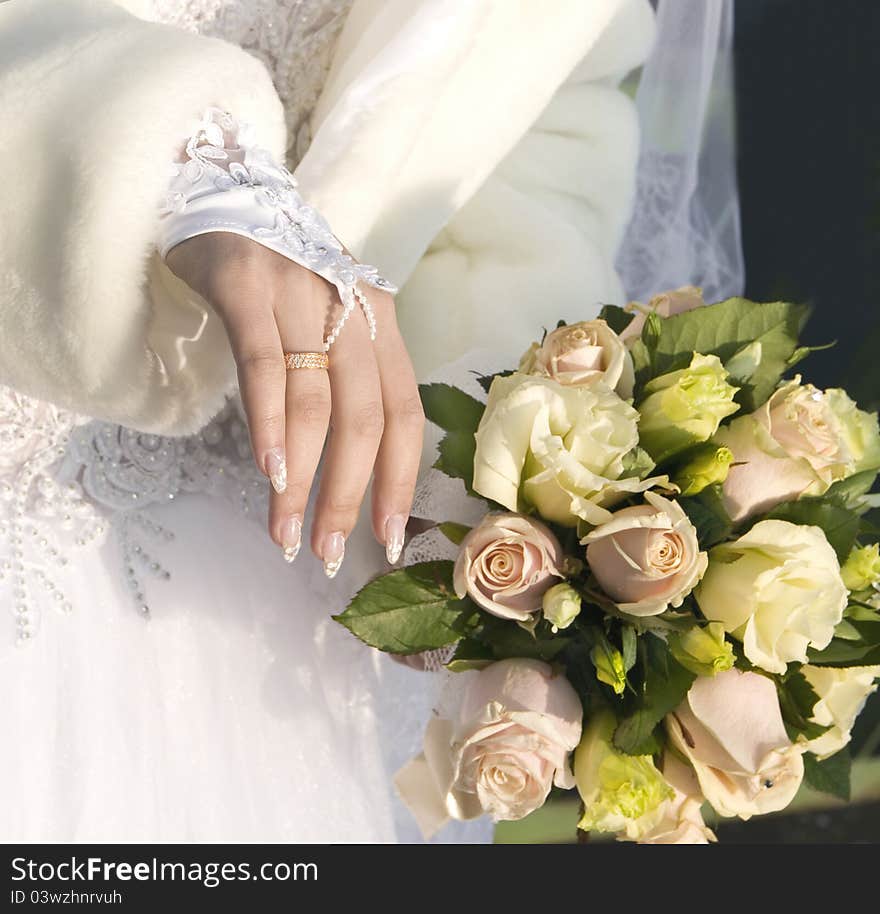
(333, 553)
(276, 469)
(291, 538)
(395, 531)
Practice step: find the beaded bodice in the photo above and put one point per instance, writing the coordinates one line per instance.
(68, 484)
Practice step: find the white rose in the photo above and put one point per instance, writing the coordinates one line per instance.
(777, 589)
(842, 695)
(560, 450)
(730, 729)
(582, 353)
(518, 723)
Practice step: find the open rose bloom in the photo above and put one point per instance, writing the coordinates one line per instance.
(670, 600)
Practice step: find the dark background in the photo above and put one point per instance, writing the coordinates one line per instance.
(808, 127)
(809, 171)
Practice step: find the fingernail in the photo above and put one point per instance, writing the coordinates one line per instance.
(276, 469)
(395, 531)
(333, 553)
(291, 538)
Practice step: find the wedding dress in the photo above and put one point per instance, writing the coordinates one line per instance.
(165, 676)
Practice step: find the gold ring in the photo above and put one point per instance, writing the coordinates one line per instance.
(295, 360)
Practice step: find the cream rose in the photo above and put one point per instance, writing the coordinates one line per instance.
(798, 443)
(682, 819)
(730, 729)
(582, 353)
(777, 589)
(647, 557)
(506, 564)
(518, 723)
(565, 451)
(666, 304)
(842, 695)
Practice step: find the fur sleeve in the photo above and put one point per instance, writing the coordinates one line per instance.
(94, 105)
(483, 157)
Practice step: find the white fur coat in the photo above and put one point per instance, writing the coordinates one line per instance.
(478, 152)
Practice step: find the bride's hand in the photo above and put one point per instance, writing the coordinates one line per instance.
(368, 399)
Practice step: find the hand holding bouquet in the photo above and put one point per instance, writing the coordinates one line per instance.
(673, 597)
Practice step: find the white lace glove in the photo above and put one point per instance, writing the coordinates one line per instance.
(229, 184)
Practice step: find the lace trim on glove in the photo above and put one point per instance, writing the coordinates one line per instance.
(229, 184)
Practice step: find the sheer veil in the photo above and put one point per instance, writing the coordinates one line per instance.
(685, 226)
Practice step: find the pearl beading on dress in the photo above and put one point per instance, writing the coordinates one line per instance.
(68, 485)
(227, 183)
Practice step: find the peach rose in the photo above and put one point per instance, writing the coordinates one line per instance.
(793, 445)
(509, 744)
(666, 304)
(506, 564)
(730, 729)
(582, 353)
(647, 557)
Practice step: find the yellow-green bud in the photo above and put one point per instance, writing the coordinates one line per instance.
(861, 570)
(709, 465)
(702, 650)
(685, 407)
(609, 665)
(561, 605)
(623, 794)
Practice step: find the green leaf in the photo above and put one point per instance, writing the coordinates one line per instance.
(506, 639)
(664, 687)
(831, 776)
(850, 492)
(485, 380)
(470, 655)
(629, 641)
(796, 701)
(456, 457)
(708, 514)
(617, 318)
(840, 525)
(409, 610)
(455, 533)
(849, 652)
(450, 408)
(724, 329)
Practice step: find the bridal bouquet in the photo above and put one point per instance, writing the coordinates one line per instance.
(674, 595)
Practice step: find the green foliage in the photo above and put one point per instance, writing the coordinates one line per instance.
(725, 329)
(409, 610)
(618, 319)
(665, 682)
(850, 492)
(796, 701)
(455, 533)
(831, 776)
(849, 651)
(708, 514)
(506, 639)
(458, 414)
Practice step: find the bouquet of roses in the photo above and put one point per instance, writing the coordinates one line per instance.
(673, 597)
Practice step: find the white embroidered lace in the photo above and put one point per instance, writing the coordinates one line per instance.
(227, 183)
